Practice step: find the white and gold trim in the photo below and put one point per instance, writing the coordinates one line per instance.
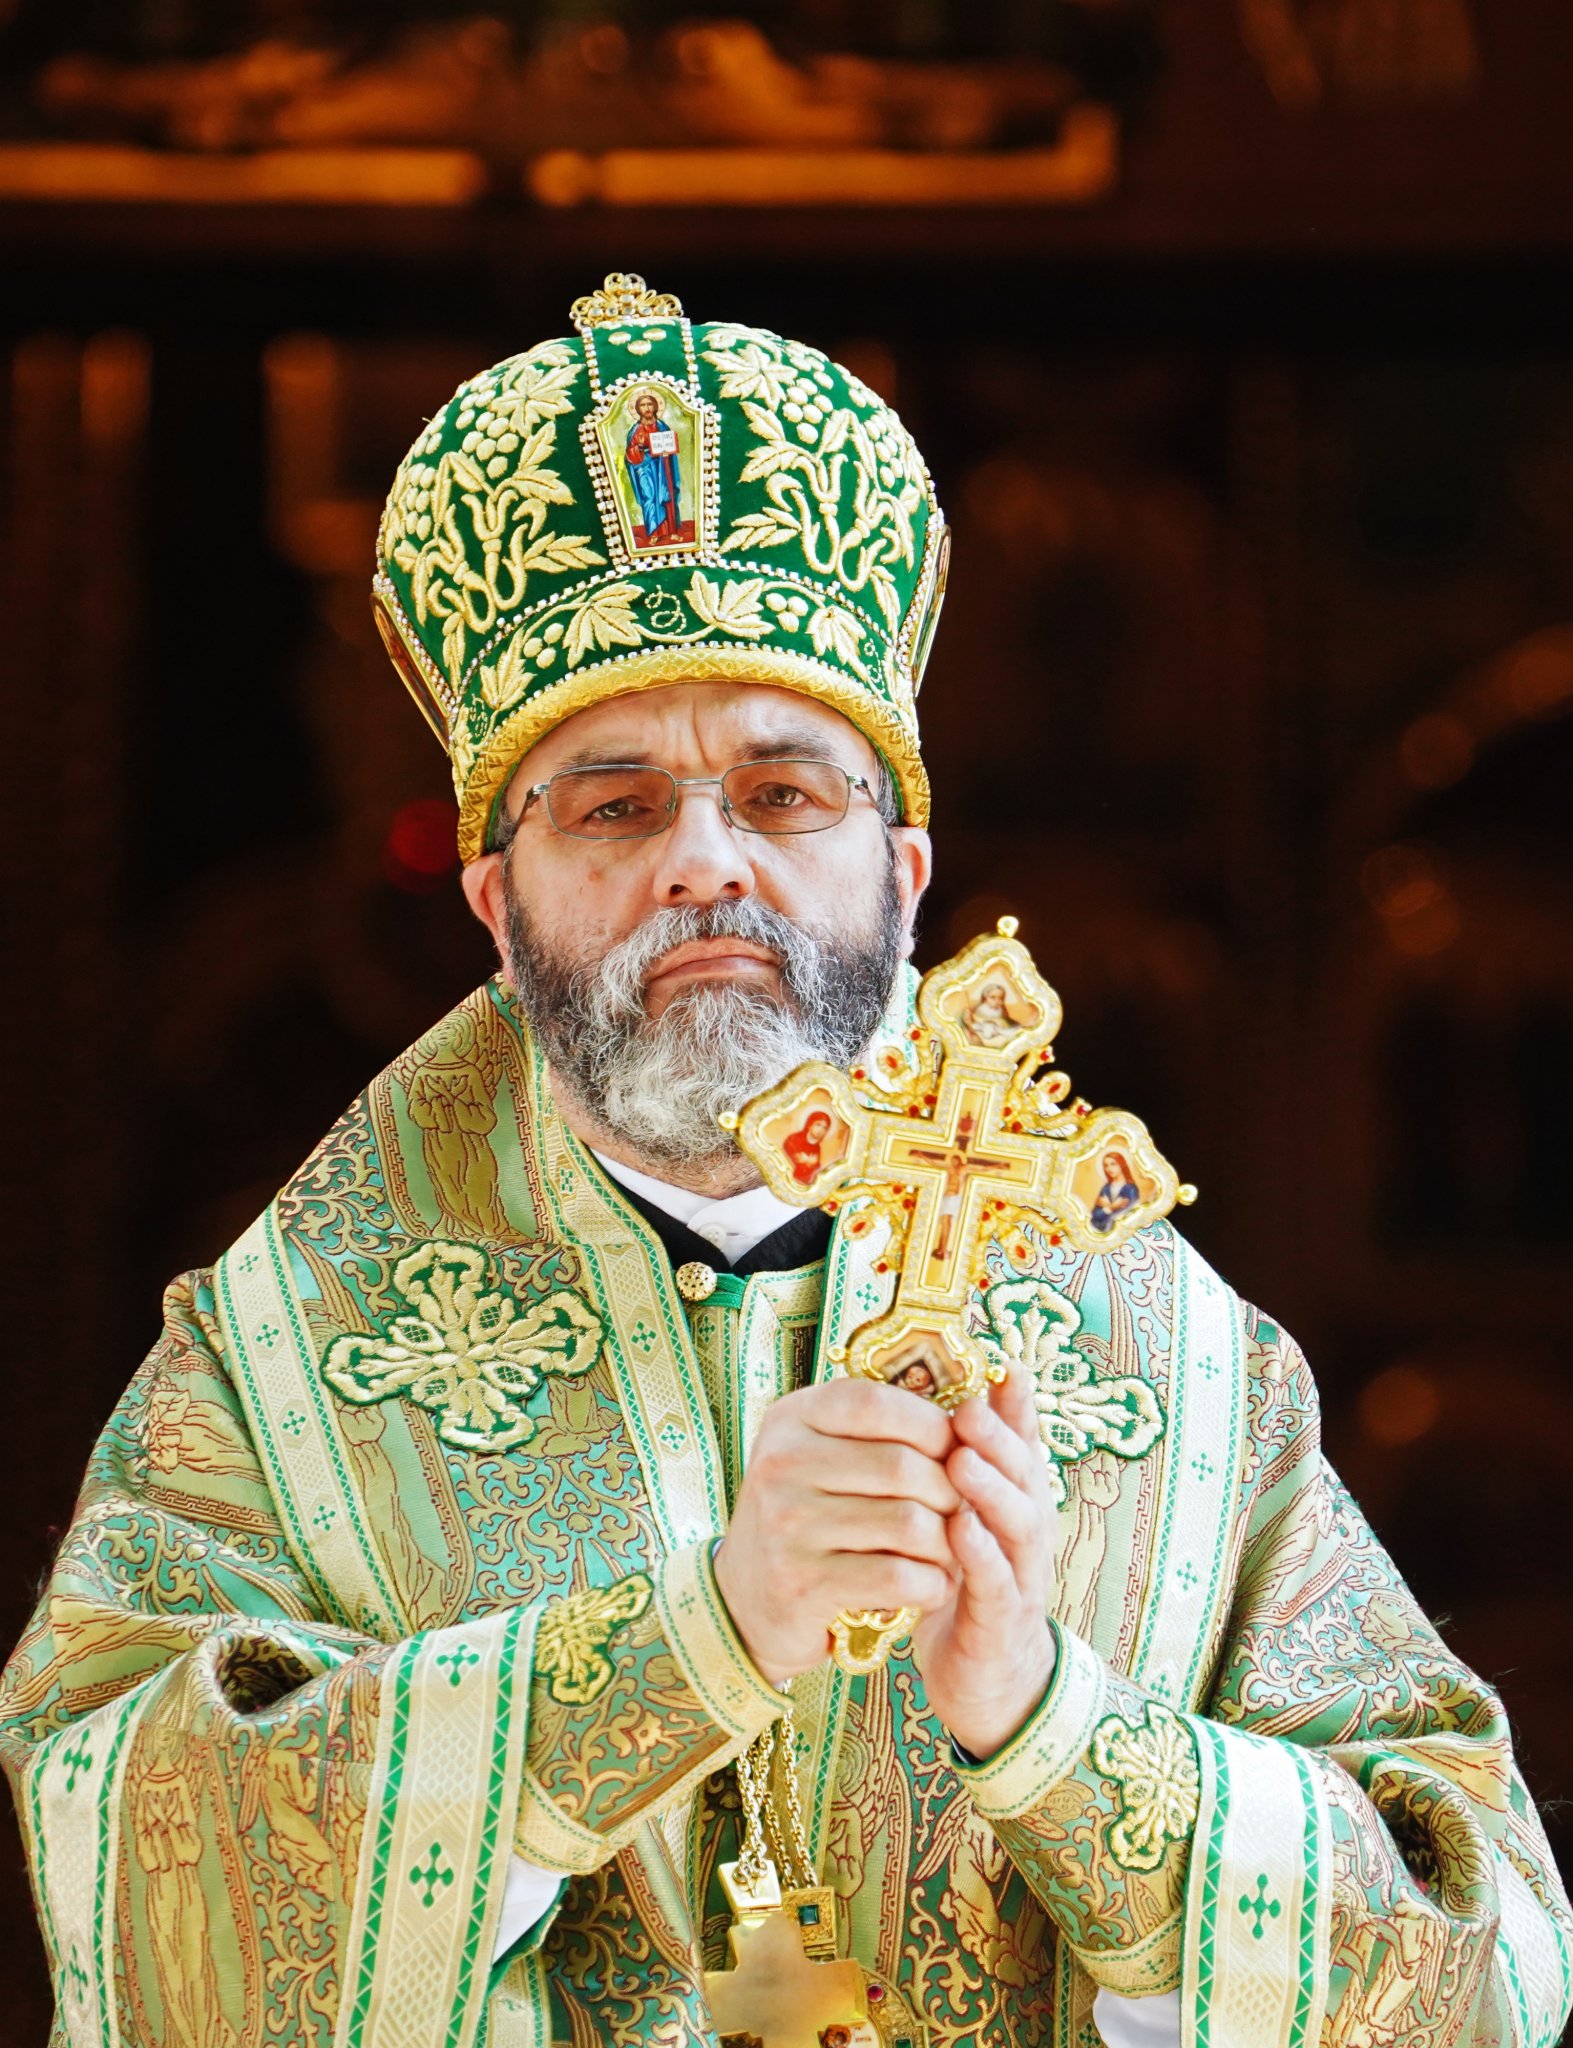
(274, 1366)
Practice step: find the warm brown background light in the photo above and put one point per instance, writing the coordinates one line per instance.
(1241, 342)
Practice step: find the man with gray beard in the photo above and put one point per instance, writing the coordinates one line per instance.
(663, 1083)
(420, 1665)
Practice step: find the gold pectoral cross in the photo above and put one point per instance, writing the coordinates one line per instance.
(962, 1136)
(775, 1995)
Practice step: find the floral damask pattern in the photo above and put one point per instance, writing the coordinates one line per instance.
(467, 1349)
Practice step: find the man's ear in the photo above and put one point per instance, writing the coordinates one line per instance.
(914, 852)
(483, 891)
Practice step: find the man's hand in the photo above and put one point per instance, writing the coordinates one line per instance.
(987, 1655)
(843, 1504)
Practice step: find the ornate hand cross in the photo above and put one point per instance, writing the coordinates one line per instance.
(959, 1137)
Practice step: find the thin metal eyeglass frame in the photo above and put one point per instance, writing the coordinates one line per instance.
(682, 782)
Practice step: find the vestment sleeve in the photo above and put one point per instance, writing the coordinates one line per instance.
(1426, 1886)
(240, 1815)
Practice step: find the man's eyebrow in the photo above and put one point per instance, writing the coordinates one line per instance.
(605, 757)
(791, 740)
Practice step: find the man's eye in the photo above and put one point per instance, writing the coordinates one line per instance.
(617, 810)
(779, 796)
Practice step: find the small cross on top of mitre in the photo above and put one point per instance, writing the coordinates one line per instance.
(966, 1137)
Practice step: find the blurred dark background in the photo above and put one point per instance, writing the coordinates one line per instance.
(1240, 340)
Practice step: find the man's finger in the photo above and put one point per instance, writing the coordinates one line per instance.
(873, 1579)
(1009, 1514)
(986, 1571)
(977, 1424)
(1014, 1402)
(883, 1470)
(871, 1410)
(901, 1528)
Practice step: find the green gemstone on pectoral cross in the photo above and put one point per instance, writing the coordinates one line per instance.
(1260, 1906)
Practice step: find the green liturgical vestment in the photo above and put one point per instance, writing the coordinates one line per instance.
(394, 1563)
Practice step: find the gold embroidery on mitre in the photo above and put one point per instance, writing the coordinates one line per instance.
(623, 296)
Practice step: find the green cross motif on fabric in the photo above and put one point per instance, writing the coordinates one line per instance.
(466, 1347)
(249, 1264)
(1259, 1906)
(78, 1976)
(1186, 1575)
(267, 1335)
(323, 1517)
(642, 1335)
(1153, 1763)
(294, 1422)
(458, 1660)
(1203, 1466)
(76, 1761)
(572, 1634)
(433, 1872)
(673, 1437)
(1024, 1322)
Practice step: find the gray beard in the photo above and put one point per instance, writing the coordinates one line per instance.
(660, 1083)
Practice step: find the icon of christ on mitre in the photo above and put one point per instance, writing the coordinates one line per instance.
(651, 455)
(717, 1506)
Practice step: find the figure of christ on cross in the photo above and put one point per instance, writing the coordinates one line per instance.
(946, 1168)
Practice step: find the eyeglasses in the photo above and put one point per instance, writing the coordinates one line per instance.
(610, 801)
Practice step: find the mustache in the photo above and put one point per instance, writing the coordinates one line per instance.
(613, 984)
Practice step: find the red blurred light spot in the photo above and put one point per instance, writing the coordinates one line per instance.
(420, 848)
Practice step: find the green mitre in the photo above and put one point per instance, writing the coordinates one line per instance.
(650, 503)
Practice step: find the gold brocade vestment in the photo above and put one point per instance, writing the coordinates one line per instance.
(394, 1562)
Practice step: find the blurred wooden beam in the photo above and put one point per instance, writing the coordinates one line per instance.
(78, 172)
(1080, 168)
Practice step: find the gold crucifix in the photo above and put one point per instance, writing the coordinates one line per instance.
(964, 1135)
(774, 1996)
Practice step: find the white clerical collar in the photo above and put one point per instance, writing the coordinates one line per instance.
(734, 1224)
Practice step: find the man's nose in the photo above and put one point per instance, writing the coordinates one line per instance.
(700, 858)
